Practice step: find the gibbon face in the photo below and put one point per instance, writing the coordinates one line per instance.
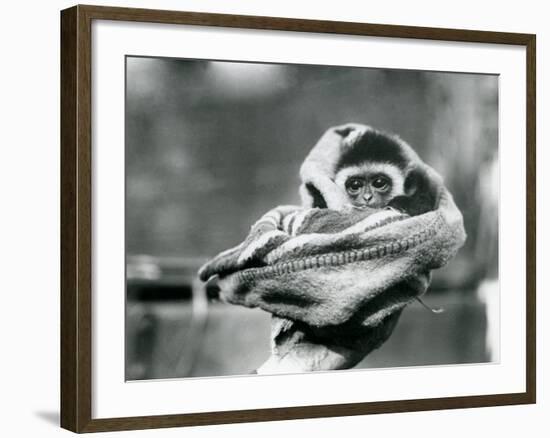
(371, 184)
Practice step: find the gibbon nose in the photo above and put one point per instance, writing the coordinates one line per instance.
(367, 196)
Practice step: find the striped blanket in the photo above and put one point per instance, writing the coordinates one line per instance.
(323, 266)
(337, 278)
(289, 238)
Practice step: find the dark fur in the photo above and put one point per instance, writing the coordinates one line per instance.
(421, 194)
(376, 146)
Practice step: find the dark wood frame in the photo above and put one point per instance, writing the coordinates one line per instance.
(76, 225)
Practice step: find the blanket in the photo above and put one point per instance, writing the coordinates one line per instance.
(336, 278)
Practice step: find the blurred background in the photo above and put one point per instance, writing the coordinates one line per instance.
(212, 145)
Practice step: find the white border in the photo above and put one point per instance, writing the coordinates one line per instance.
(112, 397)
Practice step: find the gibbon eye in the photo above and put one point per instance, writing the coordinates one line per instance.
(354, 186)
(381, 183)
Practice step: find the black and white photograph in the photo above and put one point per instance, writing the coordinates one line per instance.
(292, 218)
(274, 219)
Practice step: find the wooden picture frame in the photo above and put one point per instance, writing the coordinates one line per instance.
(76, 217)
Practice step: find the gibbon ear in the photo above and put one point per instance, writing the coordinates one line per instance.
(421, 193)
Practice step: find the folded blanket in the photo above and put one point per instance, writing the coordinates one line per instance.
(337, 278)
